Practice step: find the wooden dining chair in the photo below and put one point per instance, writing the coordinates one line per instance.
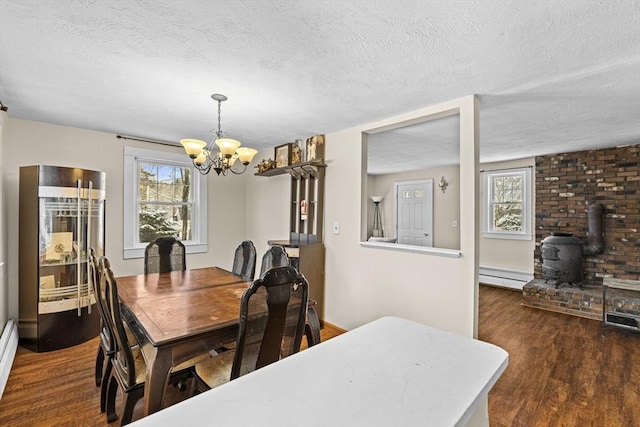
(163, 255)
(271, 326)
(106, 346)
(128, 367)
(244, 260)
(276, 256)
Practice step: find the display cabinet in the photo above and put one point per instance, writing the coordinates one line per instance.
(62, 214)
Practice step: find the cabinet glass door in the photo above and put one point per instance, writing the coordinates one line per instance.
(70, 220)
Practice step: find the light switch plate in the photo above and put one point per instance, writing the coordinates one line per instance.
(336, 227)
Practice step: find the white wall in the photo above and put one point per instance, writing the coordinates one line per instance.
(446, 206)
(267, 216)
(362, 284)
(510, 258)
(4, 291)
(30, 143)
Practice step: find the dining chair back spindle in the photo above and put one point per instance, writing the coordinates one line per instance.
(163, 255)
(244, 260)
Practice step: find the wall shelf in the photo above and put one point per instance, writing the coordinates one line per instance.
(304, 169)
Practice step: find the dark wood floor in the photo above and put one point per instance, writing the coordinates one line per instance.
(57, 388)
(561, 372)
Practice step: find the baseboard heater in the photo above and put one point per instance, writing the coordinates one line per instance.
(8, 347)
(504, 277)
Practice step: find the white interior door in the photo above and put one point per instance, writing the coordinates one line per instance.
(414, 212)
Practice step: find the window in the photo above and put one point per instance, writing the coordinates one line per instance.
(164, 195)
(507, 204)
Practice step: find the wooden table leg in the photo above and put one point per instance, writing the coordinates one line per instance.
(312, 327)
(156, 379)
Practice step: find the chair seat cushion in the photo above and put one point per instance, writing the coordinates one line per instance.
(141, 366)
(216, 370)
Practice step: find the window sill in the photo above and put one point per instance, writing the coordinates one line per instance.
(507, 236)
(449, 253)
(139, 252)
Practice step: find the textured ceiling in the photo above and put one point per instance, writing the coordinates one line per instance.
(551, 75)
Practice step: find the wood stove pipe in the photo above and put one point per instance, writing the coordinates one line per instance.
(595, 236)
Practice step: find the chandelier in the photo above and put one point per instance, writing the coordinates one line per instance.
(228, 150)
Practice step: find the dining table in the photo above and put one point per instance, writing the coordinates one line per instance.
(179, 315)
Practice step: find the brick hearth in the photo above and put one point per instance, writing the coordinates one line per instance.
(583, 302)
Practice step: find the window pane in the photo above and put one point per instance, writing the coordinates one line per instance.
(147, 173)
(165, 183)
(165, 220)
(507, 217)
(507, 189)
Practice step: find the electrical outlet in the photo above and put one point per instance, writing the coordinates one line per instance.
(336, 227)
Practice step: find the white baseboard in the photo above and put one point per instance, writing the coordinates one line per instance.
(504, 277)
(8, 347)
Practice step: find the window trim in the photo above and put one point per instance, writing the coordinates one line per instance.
(132, 156)
(487, 177)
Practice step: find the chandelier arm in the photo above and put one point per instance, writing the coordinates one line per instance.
(239, 172)
(202, 168)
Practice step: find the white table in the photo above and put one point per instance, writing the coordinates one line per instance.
(390, 372)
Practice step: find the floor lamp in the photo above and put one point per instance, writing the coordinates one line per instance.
(377, 218)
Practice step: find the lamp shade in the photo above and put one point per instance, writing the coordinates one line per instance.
(227, 146)
(377, 199)
(246, 154)
(193, 147)
(201, 158)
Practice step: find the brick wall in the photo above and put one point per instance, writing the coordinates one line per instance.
(567, 183)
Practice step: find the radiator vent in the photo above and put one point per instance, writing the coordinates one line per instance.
(8, 347)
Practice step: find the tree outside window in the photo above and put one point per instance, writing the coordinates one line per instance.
(165, 202)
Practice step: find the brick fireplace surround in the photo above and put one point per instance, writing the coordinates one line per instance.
(565, 185)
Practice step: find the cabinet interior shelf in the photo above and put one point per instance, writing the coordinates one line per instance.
(303, 169)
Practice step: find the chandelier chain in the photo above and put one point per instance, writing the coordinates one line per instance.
(219, 133)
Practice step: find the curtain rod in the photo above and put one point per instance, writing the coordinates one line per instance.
(147, 140)
(506, 169)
